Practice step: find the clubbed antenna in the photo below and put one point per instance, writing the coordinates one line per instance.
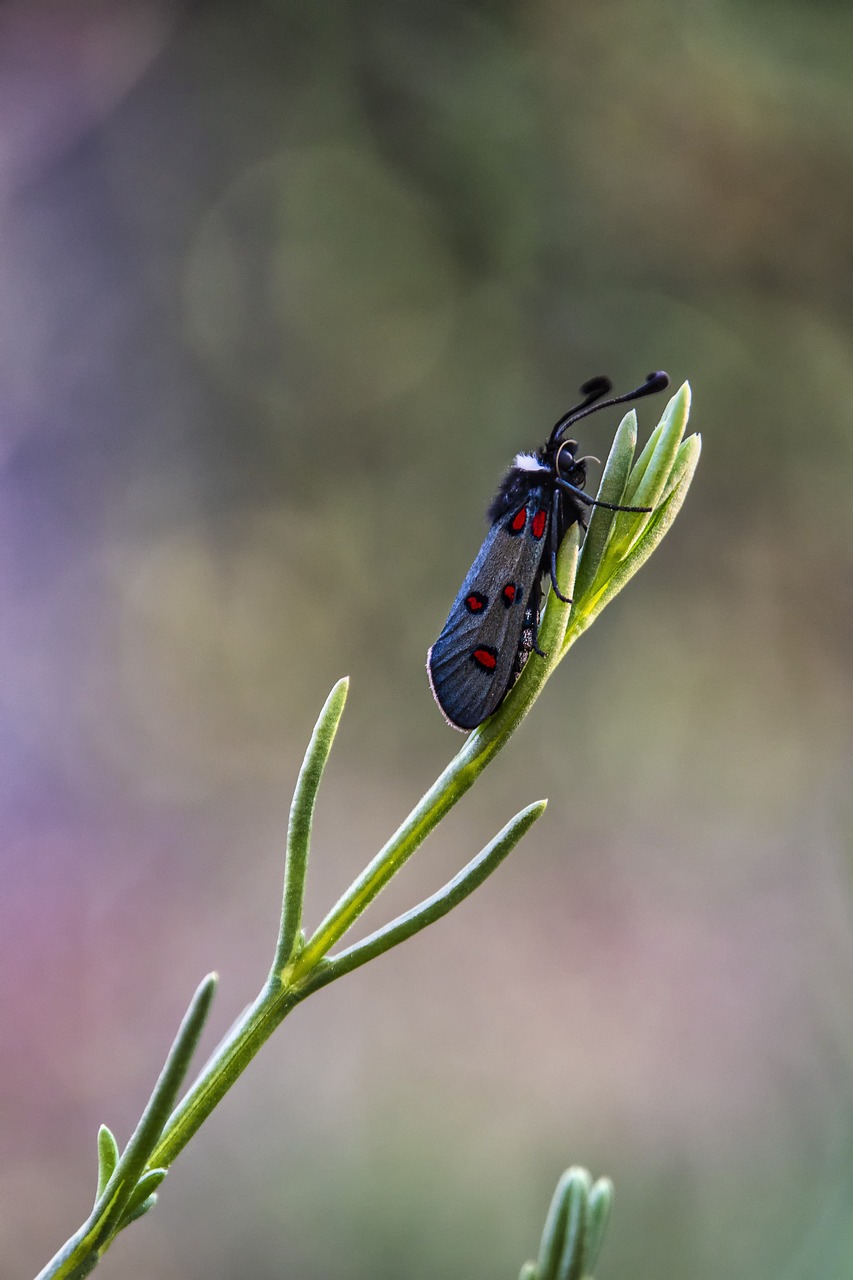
(598, 387)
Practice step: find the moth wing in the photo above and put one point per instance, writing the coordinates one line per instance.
(466, 690)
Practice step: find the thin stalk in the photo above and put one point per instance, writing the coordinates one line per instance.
(244, 1040)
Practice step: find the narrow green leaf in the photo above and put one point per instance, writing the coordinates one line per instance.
(108, 1154)
(657, 527)
(554, 1232)
(301, 818)
(141, 1209)
(577, 1189)
(646, 491)
(574, 1227)
(613, 481)
(655, 462)
(684, 465)
(647, 452)
(127, 1173)
(667, 510)
(143, 1192)
(432, 908)
(648, 480)
(553, 1236)
(597, 1216)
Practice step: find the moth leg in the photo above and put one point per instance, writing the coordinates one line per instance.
(553, 575)
(553, 525)
(594, 502)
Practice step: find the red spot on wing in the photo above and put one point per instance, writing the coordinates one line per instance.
(476, 602)
(518, 521)
(540, 520)
(485, 658)
(509, 593)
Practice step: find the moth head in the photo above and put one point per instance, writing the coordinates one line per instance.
(569, 467)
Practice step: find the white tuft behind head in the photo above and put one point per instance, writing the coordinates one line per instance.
(528, 462)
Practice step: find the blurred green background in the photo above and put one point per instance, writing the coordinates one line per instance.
(283, 288)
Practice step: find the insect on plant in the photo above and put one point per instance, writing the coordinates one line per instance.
(493, 623)
(493, 628)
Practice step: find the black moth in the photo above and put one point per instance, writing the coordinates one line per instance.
(492, 627)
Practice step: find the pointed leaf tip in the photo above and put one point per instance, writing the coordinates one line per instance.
(108, 1156)
(337, 693)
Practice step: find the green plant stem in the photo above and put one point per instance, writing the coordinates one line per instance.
(243, 1041)
(285, 990)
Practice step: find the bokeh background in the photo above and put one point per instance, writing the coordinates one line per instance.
(283, 287)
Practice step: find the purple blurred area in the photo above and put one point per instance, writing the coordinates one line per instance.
(283, 287)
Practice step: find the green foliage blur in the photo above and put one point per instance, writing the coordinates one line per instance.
(283, 288)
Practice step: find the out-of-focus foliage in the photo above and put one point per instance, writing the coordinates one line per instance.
(283, 287)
